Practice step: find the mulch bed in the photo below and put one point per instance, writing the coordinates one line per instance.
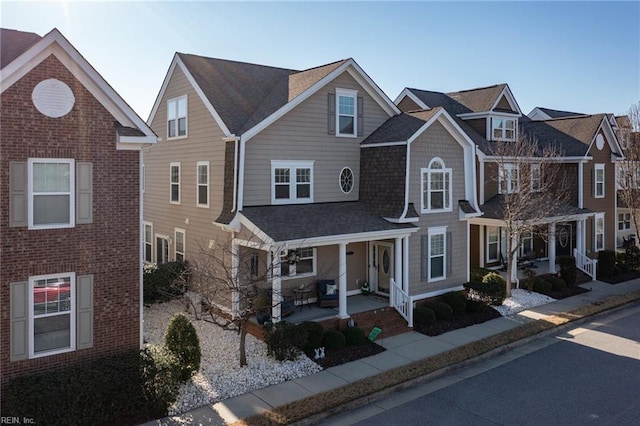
(333, 357)
(459, 320)
(620, 278)
(567, 292)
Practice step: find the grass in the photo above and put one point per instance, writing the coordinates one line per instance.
(353, 395)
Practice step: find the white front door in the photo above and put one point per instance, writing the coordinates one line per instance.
(382, 270)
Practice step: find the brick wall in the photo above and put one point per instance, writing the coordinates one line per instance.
(108, 248)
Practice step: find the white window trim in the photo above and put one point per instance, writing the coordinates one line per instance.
(536, 166)
(292, 268)
(72, 192)
(353, 180)
(171, 183)
(597, 217)
(526, 238)
(155, 242)
(72, 313)
(428, 171)
(439, 230)
(175, 243)
(292, 166)
(596, 168)
(497, 243)
(503, 128)
(186, 117)
(198, 184)
(145, 242)
(352, 94)
(502, 169)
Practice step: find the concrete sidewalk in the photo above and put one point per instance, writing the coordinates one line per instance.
(401, 350)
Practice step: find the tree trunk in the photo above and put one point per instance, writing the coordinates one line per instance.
(243, 335)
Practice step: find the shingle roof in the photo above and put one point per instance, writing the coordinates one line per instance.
(571, 135)
(244, 94)
(304, 221)
(494, 208)
(398, 128)
(14, 43)
(555, 113)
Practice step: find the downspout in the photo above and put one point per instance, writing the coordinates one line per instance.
(141, 247)
(241, 175)
(235, 175)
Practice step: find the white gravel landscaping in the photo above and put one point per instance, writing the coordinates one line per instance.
(220, 376)
(521, 300)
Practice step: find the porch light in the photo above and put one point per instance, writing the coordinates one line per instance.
(293, 257)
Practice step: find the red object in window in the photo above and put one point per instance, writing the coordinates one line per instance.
(52, 293)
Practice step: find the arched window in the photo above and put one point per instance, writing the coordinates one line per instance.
(436, 187)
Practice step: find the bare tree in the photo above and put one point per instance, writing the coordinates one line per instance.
(532, 191)
(628, 170)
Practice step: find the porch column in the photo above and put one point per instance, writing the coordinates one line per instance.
(405, 264)
(552, 247)
(235, 294)
(580, 236)
(397, 267)
(514, 261)
(342, 281)
(276, 286)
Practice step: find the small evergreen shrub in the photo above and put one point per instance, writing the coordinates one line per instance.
(557, 284)
(165, 281)
(492, 289)
(455, 299)
(606, 263)
(542, 286)
(423, 316)
(632, 257)
(334, 339)
(314, 335)
(478, 273)
(181, 339)
(568, 269)
(354, 336)
(285, 340)
(441, 309)
(161, 373)
(474, 306)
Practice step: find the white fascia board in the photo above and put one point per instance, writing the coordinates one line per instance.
(372, 88)
(611, 136)
(383, 101)
(484, 157)
(402, 219)
(138, 139)
(350, 238)
(506, 92)
(467, 216)
(409, 93)
(377, 145)
(163, 88)
(539, 112)
(54, 43)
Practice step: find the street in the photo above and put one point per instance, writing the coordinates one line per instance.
(588, 374)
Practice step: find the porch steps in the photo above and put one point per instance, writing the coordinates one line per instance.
(387, 318)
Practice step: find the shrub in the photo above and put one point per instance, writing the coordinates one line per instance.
(632, 257)
(182, 340)
(606, 263)
(161, 373)
(542, 286)
(568, 269)
(530, 278)
(492, 289)
(423, 316)
(474, 306)
(557, 284)
(441, 309)
(354, 336)
(334, 339)
(478, 273)
(314, 335)
(455, 299)
(165, 281)
(285, 340)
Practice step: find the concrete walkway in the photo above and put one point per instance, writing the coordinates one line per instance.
(401, 350)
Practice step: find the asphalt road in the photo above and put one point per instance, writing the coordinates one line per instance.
(589, 375)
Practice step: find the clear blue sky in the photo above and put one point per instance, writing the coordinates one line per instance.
(576, 56)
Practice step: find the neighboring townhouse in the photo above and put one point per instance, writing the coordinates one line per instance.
(70, 217)
(315, 173)
(589, 150)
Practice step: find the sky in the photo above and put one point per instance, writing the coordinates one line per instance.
(574, 56)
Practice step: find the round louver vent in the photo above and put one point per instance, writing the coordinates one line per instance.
(53, 98)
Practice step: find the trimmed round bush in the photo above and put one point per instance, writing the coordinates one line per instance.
(334, 339)
(542, 286)
(314, 335)
(354, 336)
(285, 340)
(568, 269)
(632, 257)
(606, 263)
(474, 306)
(182, 340)
(557, 284)
(455, 299)
(423, 316)
(441, 309)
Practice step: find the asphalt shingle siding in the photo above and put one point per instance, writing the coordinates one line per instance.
(382, 179)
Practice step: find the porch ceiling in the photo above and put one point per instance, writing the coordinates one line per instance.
(299, 222)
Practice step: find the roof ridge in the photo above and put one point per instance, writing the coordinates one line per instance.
(569, 117)
(479, 88)
(239, 62)
(324, 65)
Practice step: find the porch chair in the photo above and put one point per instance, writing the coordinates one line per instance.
(327, 294)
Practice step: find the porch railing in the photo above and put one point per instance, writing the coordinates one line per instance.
(402, 302)
(585, 264)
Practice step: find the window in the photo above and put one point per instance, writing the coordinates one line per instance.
(599, 232)
(177, 117)
(178, 247)
(503, 129)
(536, 178)
(304, 264)
(203, 184)
(624, 221)
(437, 249)
(148, 242)
(599, 181)
(436, 187)
(526, 245)
(254, 266)
(346, 180)
(52, 314)
(347, 112)
(292, 182)
(509, 178)
(51, 193)
(175, 183)
(162, 249)
(493, 244)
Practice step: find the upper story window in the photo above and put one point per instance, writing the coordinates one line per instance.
(291, 182)
(508, 178)
(346, 180)
(503, 128)
(51, 193)
(347, 112)
(536, 178)
(624, 221)
(598, 186)
(177, 117)
(203, 184)
(436, 187)
(174, 172)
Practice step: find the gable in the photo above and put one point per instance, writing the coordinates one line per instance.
(503, 105)
(408, 104)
